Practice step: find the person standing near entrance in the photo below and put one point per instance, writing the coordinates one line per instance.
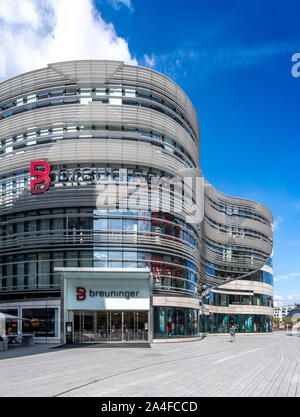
(232, 333)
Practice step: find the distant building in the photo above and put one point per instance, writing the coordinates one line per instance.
(294, 314)
(283, 311)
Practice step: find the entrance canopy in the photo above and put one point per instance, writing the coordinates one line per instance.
(106, 288)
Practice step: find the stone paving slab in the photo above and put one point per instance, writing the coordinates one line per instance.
(256, 366)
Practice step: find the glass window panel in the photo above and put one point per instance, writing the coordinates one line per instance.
(115, 91)
(44, 270)
(44, 322)
(100, 91)
(100, 255)
(129, 255)
(20, 272)
(115, 224)
(100, 212)
(85, 259)
(19, 102)
(20, 227)
(31, 98)
(130, 264)
(72, 259)
(143, 259)
(58, 224)
(85, 91)
(130, 224)
(32, 271)
(129, 92)
(115, 254)
(114, 264)
(100, 224)
(58, 262)
(9, 273)
(144, 226)
(44, 225)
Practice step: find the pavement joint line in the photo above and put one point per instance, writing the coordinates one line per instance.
(283, 378)
(236, 356)
(277, 372)
(250, 374)
(251, 386)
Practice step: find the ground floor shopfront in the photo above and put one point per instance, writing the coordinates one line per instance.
(43, 318)
(44, 321)
(243, 323)
(169, 322)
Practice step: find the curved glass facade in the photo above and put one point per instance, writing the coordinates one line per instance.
(87, 235)
(224, 300)
(175, 322)
(243, 323)
(254, 292)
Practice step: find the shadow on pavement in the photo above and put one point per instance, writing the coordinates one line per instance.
(16, 351)
(21, 351)
(104, 345)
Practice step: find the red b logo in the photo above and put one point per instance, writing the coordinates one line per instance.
(44, 177)
(80, 293)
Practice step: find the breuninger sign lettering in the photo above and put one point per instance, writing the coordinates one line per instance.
(81, 294)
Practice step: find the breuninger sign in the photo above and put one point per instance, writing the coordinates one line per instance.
(118, 293)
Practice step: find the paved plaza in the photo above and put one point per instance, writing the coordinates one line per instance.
(253, 365)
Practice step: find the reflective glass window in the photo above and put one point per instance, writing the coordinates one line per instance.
(44, 322)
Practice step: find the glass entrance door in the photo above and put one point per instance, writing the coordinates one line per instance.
(116, 327)
(102, 326)
(110, 326)
(135, 326)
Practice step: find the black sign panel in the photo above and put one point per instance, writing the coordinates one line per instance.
(69, 332)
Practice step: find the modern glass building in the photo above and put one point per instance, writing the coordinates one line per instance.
(97, 237)
(245, 303)
(236, 236)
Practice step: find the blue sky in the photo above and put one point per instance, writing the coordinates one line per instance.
(232, 58)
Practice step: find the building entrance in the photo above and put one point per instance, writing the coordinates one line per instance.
(111, 326)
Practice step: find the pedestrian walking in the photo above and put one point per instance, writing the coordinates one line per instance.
(232, 333)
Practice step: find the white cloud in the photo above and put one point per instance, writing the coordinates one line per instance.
(19, 12)
(149, 62)
(207, 62)
(280, 277)
(37, 32)
(277, 222)
(291, 275)
(118, 3)
(2, 66)
(283, 300)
